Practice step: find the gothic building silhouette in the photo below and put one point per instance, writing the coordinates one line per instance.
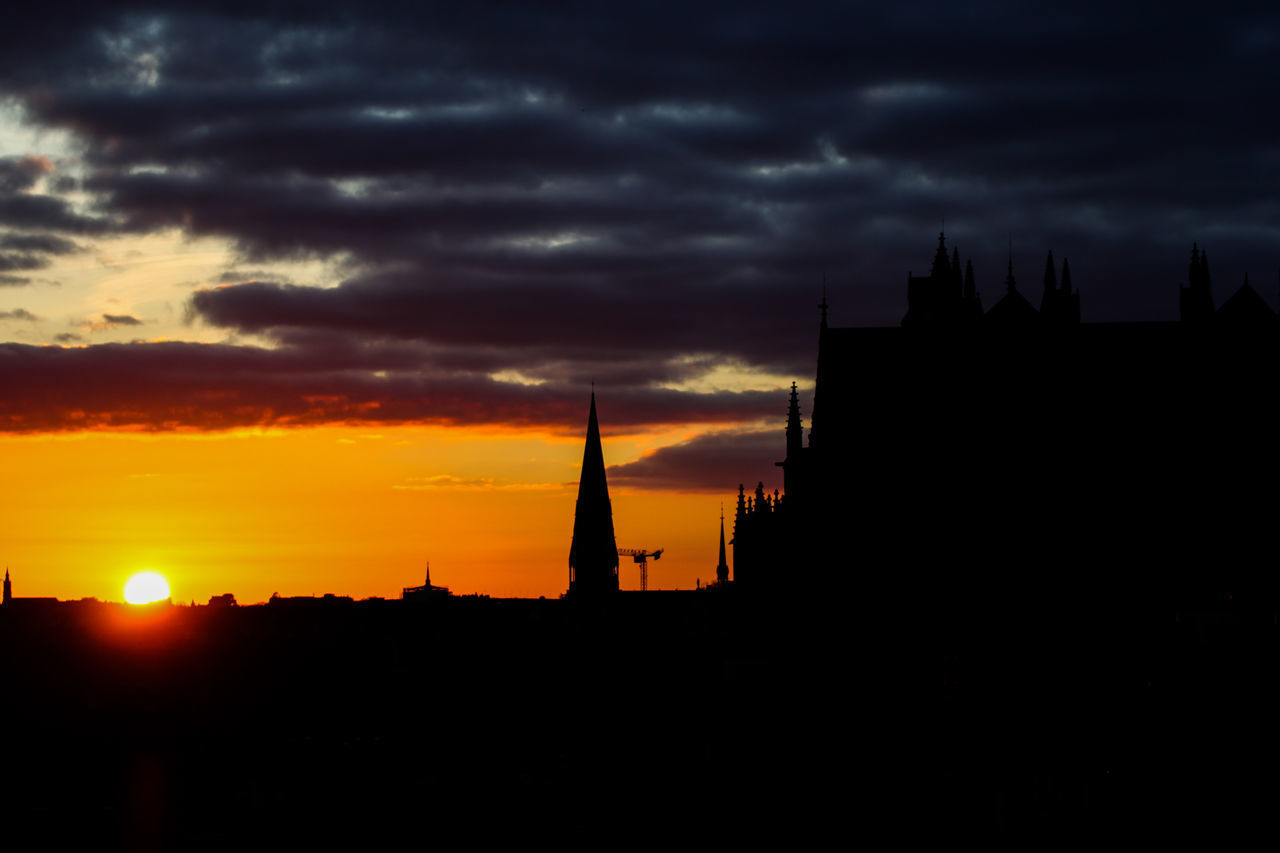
(1015, 459)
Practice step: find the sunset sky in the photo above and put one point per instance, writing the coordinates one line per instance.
(297, 297)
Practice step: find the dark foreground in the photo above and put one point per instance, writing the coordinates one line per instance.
(654, 718)
(466, 718)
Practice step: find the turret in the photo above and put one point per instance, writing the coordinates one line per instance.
(1195, 300)
(795, 433)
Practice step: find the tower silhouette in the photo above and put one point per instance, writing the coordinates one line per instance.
(593, 554)
(722, 568)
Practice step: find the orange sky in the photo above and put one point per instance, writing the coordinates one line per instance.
(350, 510)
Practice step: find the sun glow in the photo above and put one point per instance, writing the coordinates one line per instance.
(145, 588)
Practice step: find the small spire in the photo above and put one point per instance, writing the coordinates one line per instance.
(722, 567)
(1050, 283)
(941, 265)
(1009, 283)
(970, 289)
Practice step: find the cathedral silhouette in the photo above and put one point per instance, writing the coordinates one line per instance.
(1017, 464)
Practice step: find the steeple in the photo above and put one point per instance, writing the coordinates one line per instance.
(8, 587)
(593, 553)
(795, 433)
(1010, 285)
(1048, 299)
(722, 568)
(941, 267)
(1195, 299)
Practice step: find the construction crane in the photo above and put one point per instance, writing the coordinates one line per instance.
(641, 556)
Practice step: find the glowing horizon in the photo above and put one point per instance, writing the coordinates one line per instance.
(343, 510)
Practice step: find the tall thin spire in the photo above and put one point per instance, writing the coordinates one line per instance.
(1050, 285)
(795, 433)
(1009, 284)
(593, 553)
(722, 568)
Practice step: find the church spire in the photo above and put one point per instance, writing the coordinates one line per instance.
(722, 568)
(1050, 285)
(593, 553)
(941, 266)
(795, 433)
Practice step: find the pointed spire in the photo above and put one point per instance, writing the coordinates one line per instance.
(940, 266)
(722, 568)
(593, 553)
(795, 432)
(1066, 277)
(1010, 285)
(1050, 284)
(970, 288)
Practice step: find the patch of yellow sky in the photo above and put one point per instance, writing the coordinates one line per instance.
(348, 510)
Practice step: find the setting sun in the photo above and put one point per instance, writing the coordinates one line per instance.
(145, 588)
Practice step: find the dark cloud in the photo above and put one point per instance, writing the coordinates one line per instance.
(172, 385)
(67, 338)
(13, 280)
(714, 463)
(665, 195)
(10, 261)
(114, 321)
(18, 314)
(18, 174)
(48, 244)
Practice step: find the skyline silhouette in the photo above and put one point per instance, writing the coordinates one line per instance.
(303, 308)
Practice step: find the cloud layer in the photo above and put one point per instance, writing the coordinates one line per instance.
(637, 194)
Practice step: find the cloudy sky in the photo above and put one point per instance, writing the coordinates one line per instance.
(269, 222)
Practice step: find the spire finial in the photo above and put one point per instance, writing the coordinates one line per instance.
(823, 305)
